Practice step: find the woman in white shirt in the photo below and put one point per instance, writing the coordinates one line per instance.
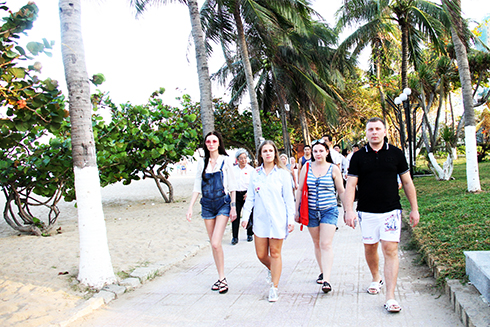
(270, 194)
(216, 182)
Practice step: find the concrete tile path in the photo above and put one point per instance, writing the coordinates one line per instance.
(182, 296)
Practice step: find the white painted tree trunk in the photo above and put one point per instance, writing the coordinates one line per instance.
(472, 172)
(444, 173)
(95, 262)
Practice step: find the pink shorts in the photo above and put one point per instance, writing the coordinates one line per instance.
(380, 226)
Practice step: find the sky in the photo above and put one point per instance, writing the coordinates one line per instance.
(140, 55)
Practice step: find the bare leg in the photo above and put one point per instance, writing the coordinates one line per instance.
(276, 259)
(262, 250)
(327, 232)
(216, 229)
(315, 236)
(372, 259)
(390, 252)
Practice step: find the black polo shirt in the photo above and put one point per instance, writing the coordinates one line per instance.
(377, 177)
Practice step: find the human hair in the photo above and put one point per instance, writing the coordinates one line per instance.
(328, 158)
(221, 150)
(328, 137)
(375, 119)
(277, 161)
(306, 146)
(345, 152)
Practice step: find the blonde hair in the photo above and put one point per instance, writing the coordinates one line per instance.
(277, 160)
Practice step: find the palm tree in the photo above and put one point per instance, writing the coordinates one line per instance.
(453, 8)
(95, 262)
(290, 59)
(417, 21)
(206, 96)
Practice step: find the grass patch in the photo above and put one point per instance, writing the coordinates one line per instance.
(451, 219)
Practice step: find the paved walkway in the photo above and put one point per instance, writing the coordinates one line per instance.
(182, 296)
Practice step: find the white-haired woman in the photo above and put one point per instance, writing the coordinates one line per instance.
(242, 171)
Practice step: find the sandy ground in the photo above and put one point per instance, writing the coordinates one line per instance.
(141, 229)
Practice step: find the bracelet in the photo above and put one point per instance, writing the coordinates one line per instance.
(233, 204)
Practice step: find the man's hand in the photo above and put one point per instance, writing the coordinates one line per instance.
(414, 218)
(350, 219)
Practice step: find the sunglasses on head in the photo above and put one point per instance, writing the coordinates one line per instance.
(321, 141)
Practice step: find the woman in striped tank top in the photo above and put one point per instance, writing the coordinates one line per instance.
(323, 178)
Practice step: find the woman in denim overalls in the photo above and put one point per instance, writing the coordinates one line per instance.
(216, 183)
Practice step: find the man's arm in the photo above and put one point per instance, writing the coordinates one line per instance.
(350, 192)
(411, 194)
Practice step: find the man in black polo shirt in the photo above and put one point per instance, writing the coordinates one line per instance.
(374, 169)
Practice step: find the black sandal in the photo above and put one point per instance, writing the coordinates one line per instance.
(326, 287)
(319, 280)
(223, 286)
(215, 286)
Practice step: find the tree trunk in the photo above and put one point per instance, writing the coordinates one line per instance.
(242, 45)
(95, 262)
(284, 119)
(304, 126)
(472, 173)
(207, 111)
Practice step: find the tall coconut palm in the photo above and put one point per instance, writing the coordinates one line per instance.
(417, 20)
(95, 262)
(260, 18)
(453, 8)
(206, 96)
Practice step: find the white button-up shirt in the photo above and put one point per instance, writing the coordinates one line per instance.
(228, 177)
(243, 176)
(271, 197)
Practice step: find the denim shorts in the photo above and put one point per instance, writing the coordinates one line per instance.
(210, 208)
(327, 216)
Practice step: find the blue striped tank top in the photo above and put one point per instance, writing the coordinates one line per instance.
(321, 190)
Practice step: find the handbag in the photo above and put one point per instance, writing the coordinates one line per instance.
(303, 209)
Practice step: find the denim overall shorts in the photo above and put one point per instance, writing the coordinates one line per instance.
(214, 200)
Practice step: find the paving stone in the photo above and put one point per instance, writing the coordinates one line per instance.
(106, 295)
(130, 283)
(116, 289)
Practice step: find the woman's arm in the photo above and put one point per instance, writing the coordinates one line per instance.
(339, 182)
(249, 201)
(191, 204)
(299, 192)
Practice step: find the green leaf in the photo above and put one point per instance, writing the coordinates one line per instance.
(18, 72)
(35, 48)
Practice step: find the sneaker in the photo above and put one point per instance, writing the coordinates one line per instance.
(268, 279)
(234, 240)
(273, 296)
(250, 238)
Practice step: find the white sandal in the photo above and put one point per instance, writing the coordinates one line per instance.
(392, 306)
(375, 287)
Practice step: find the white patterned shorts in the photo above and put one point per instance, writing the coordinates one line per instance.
(380, 226)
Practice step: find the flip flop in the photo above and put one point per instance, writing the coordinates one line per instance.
(392, 306)
(375, 287)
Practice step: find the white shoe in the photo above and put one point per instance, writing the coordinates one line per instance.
(273, 296)
(268, 279)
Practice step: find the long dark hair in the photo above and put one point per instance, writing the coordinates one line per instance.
(329, 157)
(221, 150)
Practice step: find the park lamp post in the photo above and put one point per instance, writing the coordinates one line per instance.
(405, 99)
